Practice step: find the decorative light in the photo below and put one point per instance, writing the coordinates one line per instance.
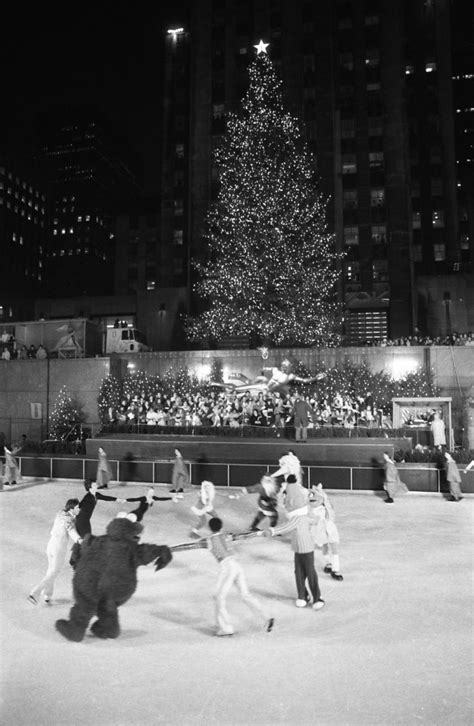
(261, 47)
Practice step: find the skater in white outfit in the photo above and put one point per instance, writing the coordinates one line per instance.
(289, 464)
(12, 470)
(325, 532)
(63, 534)
(204, 507)
(231, 573)
(104, 472)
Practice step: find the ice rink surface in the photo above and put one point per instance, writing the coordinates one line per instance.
(394, 644)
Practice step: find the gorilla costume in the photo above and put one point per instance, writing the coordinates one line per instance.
(106, 577)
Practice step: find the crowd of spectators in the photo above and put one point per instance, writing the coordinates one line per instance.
(249, 408)
(451, 339)
(10, 350)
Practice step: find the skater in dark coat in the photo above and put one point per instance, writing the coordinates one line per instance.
(267, 490)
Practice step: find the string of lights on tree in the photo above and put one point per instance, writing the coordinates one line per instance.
(65, 415)
(271, 266)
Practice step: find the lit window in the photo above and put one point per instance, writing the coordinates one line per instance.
(430, 67)
(349, 164)
(55, 231)
(439, 251)
(351, 236)
(178, 236)
(377, 197)
(380, 270)
(350, 199)
(438, 218)
(376, 159)
(379, 234)
(409, 70)
(416, 220)
(63, 231)
(150, 285)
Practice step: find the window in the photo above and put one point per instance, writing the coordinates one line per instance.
(178, 237)
(417, 253)
(379, 234)
(347, 128)
(350, 199)
(377, 197)
(464, 241)
(376, 159)
(375, 125)
(430, 67)
(372, 57)
(349, 164)
(346, 61)
(180, 151)
(178, 207)
(218, 110)
(371, 20)
(351, 236)
(416, 220)
(374, 86)
(438, 218)
(150, 284)
(439, 251)
(380, 270)
(352, 272)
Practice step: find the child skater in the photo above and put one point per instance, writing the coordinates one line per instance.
(267, 490)
(231, 573)
(204, 506)
(325, 533)
(302, 544)
(62, 534)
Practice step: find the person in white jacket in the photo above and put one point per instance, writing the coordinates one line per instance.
(63, 534)
(204, 507)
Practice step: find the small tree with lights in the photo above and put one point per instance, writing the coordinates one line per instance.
(271, 268)
(65, 415)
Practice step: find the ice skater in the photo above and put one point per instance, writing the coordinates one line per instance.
(302, 544)
(12, 470)
(84, 516)
(146, 502)
(393, 485)
(180, 475)
(204, 507)
(63, 534)
(104, 471)
(267, 490)
(454, 478)
(289, 464)
(324, 529)
(231, 573)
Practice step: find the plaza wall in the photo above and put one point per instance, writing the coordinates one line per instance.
(26, 382)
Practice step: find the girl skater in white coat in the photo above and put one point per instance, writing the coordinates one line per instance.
(63, 534)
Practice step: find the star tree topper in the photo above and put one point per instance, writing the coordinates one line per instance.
(261, 47)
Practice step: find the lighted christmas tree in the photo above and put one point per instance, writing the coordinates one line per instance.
(64, 416)
(271, 268)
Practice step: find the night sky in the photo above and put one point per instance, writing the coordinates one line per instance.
(85, 55)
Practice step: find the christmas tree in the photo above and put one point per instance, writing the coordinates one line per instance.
(271, 268)
(64, 416)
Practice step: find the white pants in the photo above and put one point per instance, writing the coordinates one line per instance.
(231, 573)
(57, 552)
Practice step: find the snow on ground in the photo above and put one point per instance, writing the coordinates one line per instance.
(392, 646)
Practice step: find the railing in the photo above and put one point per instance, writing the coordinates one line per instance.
(418, 477)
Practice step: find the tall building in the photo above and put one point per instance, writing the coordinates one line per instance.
(89, 179)
(373, 83)
(23, 226)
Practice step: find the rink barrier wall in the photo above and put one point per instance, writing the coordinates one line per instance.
(418, 477)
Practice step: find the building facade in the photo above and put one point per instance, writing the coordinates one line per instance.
(373, 83)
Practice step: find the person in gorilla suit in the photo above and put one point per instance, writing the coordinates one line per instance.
(106, 577)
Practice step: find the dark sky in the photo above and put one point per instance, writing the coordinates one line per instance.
(84, 54)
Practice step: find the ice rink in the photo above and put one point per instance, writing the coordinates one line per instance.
(393, 645)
